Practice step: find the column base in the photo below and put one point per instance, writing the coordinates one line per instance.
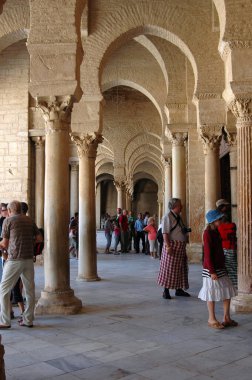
(88, 279)
(242, 303)
(63, 302)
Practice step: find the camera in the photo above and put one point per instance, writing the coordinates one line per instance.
(186, 230)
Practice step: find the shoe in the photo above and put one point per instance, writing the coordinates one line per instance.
(166, 294)
(2, 327)
(231, 323)
(12, 316)
(181, 293)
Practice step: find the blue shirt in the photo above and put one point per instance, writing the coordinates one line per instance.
(139, 225)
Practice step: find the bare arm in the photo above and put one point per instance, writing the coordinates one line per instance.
(4, 246)
(167, 243)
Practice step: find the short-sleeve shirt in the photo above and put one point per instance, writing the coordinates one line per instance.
(152, 232)
(20, 230)
(168, 222)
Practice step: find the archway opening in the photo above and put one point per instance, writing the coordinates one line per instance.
(145, 197)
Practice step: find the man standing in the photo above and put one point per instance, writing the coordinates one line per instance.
(173, 272)
(123, 223)
(139, 226)
(18, 236)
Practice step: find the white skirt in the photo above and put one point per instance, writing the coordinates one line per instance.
(217, 290)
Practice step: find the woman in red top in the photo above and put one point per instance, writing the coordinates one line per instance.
(217, 286)
(152, 236)
(227, 232)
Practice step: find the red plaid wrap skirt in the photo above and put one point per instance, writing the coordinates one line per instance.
(173, 273)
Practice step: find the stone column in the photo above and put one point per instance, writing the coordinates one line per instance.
(57, 296)
(98, 205)
(178, 140)
(39, 180)
(242, 110)
(167, 162)
(211, 139)
(74, 188)
(231, 139)
(87, 149)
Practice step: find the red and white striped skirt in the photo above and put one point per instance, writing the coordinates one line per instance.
(173, 273)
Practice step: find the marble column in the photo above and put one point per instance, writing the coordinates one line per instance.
(167, 162)
(211, 138)
(57, 296)
(39, 180)
(74, 187)
(87, 149)
(120, 187)
(178, 140)
(242, 110)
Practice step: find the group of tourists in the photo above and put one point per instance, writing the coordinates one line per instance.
(219, 259)
(130, 232)
(19, 235)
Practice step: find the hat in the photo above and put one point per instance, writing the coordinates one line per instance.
(213, 215)
(222, 202)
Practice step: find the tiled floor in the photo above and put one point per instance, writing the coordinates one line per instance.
(127, 331)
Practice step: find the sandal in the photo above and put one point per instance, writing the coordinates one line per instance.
(231, 323)
(22, 324)
(2, 327)
(216, 325)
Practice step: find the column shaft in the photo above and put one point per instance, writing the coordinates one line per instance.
(74, 188)
(168, 183)
(98, 205)
(87, 269)
(39, 181)
(233, 181)
(212, 177)
(179, 173)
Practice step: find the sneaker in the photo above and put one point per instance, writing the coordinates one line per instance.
(181, 293)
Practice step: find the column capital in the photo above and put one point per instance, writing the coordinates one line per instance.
(56, 112)
(230, 137)
(87, 144)
(242, 109)
(177, 138)
(74, 165)
(166, 160)
(120, 182)
(39, 141)
(211, 136)
(129, 185)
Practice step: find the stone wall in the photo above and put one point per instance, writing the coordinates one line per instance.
(14, 143)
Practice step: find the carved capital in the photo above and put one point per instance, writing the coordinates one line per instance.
(211, 136)
(230, 137)
(56, 113)
(177, 138)
(39, 141)
(74, 166)
(120, 182)
(242, 109)
(129, 185)
(166, 161)
(87, 144)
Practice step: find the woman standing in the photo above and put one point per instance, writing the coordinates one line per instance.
(216, 283)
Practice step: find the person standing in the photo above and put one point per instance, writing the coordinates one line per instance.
(217, 286)
(108, 229)
(139, 233)
(124, 228)
(173, 273)
(152, 236)
(19, 232)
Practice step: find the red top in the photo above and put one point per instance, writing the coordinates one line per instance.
(152, 232)
(213, 253)
(123, 221)
(228, 235)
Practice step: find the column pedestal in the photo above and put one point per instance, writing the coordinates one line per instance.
(87, 149)
(57, 296)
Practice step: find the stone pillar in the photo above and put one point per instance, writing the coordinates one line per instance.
(178, 140)
(98, 205)
(57, 296)
(167, 162)
(231, 140)
(87, 149)
(74, 188)
(211, 138)
(242, 110)
(39, 180)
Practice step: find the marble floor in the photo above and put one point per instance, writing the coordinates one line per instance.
(126, 330)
